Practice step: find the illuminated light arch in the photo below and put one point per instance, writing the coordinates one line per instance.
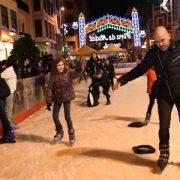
(111, 22)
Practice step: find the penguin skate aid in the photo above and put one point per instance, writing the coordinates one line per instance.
(165, 57)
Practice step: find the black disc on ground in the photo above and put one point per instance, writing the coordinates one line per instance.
(137, 124)
(143, 149)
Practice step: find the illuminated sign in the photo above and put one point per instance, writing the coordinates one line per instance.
(112, 37)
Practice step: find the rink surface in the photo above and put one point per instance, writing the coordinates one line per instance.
(103, 149)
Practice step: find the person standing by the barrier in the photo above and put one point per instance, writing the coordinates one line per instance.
(60, 92)
(8, 134)
(11, 78)
(25, 69)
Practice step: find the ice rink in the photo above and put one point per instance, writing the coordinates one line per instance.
(103, 148)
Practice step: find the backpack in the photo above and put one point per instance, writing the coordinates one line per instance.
(4, 89)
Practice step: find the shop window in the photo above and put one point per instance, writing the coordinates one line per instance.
(38, 28)
(4, 15)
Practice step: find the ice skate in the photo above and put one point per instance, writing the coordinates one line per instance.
(164, 5)
(164, 157)
(147, 118)
(8, 137)
(71, 136)
(59, 135)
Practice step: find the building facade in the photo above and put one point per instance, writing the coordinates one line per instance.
(40, 19)
(8, 26)
(160, 17)
(71, 13)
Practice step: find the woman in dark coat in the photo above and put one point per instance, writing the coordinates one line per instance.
(60, 92)
(8, 134)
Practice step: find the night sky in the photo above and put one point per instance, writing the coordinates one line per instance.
(114, 7)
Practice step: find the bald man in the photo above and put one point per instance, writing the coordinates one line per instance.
(165, 54)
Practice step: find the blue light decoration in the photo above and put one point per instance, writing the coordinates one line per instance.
(135, 24)
(82, 31)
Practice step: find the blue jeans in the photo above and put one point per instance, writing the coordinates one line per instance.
(56, 110)
(5, 122)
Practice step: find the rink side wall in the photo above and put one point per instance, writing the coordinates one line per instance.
(31, 92)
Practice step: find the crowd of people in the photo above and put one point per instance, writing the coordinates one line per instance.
(160, 62)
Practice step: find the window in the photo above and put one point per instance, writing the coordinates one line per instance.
(4, 15)
(23, 27)
(50, 31)
(45, 5)
(13, 20)
(58, 22)
(38, 28)
(68, 5)
(53, 34)
(36, 5)
(46, 28)
(49, 7)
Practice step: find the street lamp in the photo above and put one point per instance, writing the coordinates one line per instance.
(64, 30)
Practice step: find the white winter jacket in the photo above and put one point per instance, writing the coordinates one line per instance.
(11, 78)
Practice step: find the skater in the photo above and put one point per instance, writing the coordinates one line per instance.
(8, 134)
(99, 77)
(11, 79)
(151, 78)
(60, 91)
(165, 57)
(110, 71)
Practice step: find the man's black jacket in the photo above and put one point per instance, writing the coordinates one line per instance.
(171, 65)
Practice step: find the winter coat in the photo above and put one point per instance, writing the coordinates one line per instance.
(5, 91)
(10, 77)
(171, 65)
(61, 87)
(93, 67)
(110, 71)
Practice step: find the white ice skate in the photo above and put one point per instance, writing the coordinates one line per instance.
(164, 5)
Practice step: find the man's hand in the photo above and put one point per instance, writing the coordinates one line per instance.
(116, 85)
(48, 107)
